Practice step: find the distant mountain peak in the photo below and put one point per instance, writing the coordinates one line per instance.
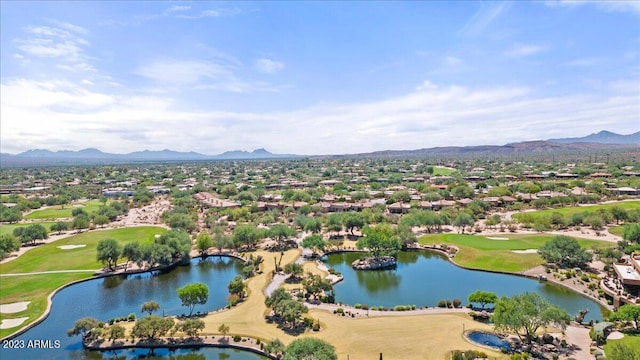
(261, 151)
(602, 137)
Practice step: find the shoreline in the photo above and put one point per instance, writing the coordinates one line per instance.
(99, 275)
(246, 344)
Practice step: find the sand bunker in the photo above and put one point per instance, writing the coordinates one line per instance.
(528, 251)
(11, 323)
(71, 247)
(497, 238)
(15, 307)
(615, 335)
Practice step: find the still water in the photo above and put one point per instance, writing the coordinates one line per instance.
(118, 296)
(422, 278)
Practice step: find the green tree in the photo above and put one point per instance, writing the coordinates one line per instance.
(151, 327)
(224, 329)
(8, 244)
(236, 286)
(115, 332)
(524, 314)
(83, 327)
(132, 252)
(193, 294)
(631, 233)
(379, 240)
(314, 242)
(564, 251)
(9, 215)
(31, 233)
(204, 242)
(100, 220)
(463, 220)
(274, 346)
(354, 220)
(619, 214)
(281, 232)
(179, 243)
(60, 226)
(191, 327)
(246, 235)
(483, 298)
(221, 240)
(462, 191)
(627, 312)
(80, 222)
(150, 307)
(310, 348)
(181, 221)
(294, 269)
(334, 223)
(313, 225)
(108, 252)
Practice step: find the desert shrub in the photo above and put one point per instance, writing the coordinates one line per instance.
(237, 338)
(131, 317)
(456, 303)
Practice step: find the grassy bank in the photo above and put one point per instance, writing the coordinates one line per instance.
(531, 216)
(63, 211)
(48, 257)
(480, 252)
(8, 228)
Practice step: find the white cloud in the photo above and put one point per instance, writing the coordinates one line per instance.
(483, 17)
(62, 44)
(628, 6)
(433, 115)
(268, 66)
(200, 75)
(521, 50)
(584, 62)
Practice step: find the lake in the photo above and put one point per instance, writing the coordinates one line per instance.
(120, 295)
(422, 278)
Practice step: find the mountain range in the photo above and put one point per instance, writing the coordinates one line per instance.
(601, 141)
(603, 137)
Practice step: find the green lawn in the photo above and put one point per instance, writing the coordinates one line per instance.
(49, 257)
(443, 171)
(479, 252)
(34, 288)
(631, 340)
(617, 230)
(59, 211)
(8, 228)
(569, 211)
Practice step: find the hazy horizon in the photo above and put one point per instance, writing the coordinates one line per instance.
(314, 77)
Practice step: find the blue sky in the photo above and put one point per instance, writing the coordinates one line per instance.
(314, 77)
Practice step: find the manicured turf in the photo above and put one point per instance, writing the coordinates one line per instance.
(479, 252)
(617, 230)
(443, 171)
(34, 288)
(8, 228)
(568, 211)
(59, 212)
(49, 257)
(631, 340)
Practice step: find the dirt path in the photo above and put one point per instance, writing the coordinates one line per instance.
(579, 337)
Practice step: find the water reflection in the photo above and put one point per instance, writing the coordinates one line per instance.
(423, 278)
